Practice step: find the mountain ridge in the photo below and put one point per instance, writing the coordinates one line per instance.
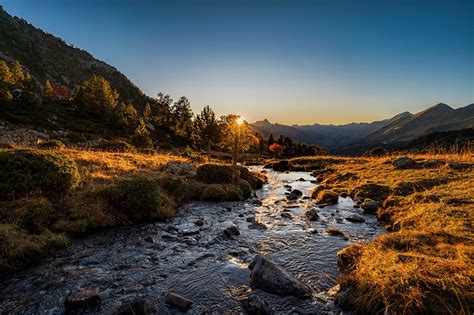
(402, 127)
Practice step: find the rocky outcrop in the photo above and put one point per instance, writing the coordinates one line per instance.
(270, 278)
(404, 163)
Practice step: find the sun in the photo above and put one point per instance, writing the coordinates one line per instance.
(240, 121)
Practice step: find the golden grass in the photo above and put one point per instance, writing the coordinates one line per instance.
(426, 265)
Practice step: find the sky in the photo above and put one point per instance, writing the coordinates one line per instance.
(292, 62)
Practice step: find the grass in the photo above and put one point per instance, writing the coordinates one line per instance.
(425, 266)
(115, 189)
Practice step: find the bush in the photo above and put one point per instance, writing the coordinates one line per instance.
(33, 215)
(19, 249)
(139, 199)
(115, 146)
(217, 174)
(53, 144)
(141, 141)
(27, 172)
(214, 192)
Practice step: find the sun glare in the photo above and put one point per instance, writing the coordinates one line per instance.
(240, 121)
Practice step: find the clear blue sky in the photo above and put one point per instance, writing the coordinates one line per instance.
(288, 61)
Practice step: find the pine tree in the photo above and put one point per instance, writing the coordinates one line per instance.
(271, 140)
(96, 95)
(182, 115)
(5, 73)
(17, 73)
(147, 113)
(141, 138)
(206, 129)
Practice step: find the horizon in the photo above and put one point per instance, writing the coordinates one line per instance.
(277, 56)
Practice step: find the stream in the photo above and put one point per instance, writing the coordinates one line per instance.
(196, 260)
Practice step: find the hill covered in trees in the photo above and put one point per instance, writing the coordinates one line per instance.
(47, 57)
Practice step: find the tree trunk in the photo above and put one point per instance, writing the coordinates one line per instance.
(209, 151)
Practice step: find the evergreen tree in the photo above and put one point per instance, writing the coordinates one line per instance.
(17, 74)
(182, 115)
(96, 95)
(271, 140)
(141, 138)
(147, 113)
(125, 115)
(48, 89)
(5, 74)
(206, 129)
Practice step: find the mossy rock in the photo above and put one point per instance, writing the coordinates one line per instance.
(53, 144)
(218, 174)
(139, 199)
(371, 190)
(115, 146)
(45, 173)
(246, 188)
(327, 196)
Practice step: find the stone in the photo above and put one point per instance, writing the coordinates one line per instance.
(81, 301)
(178, 301)
(270, 278)
(199, 222)
(319, 178)
(404, 163)
(371, 190)
(301, 179)
(355, 218)
(286, 215)
(370, 206)
(343, 195)
(327, 196)
(187, 229)
(295, 194)
(178, 167)
(136, 307)
(229, 229)
(281, 166)
(311, 214)
(256, 305)
(149, 239)
(334, 231)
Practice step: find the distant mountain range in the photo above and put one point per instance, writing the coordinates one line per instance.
(394, 131)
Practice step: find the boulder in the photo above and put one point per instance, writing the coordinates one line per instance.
(370, 206)
(311, 214)
(281, 166)
(404, 163)
(327, 196)
(294, 194)
(82, 301)
(269, 277)
(334, 231)
(229, 229)
(343, 195)
(355, 218)
(178, 301)
(136, 307)
(256, 305)
(371, 190)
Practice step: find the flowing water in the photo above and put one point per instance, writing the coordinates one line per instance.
(197, 261)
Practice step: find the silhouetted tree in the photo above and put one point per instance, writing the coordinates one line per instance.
(96, 95)
(206, 129)
(182, 115)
